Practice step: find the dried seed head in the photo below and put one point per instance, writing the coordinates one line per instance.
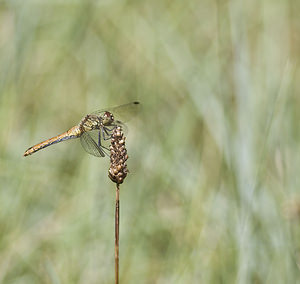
(118, 156)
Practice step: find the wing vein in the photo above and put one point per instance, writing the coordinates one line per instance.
(90, 146)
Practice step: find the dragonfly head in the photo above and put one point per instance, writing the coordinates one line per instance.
(108, 118)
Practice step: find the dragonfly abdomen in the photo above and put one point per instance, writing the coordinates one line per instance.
(74, 132)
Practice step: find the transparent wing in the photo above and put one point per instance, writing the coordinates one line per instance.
(90, 146)
(97, 136)
(123, 112)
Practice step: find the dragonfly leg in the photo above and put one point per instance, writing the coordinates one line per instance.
(105, 132)
(99, 143)
(109, 129)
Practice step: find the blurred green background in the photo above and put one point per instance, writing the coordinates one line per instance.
(213, 191)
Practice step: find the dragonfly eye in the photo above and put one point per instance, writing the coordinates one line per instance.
(108, 118)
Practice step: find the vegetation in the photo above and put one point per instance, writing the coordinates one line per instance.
(212, 195)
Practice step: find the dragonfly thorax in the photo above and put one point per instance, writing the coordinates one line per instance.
(90, 122)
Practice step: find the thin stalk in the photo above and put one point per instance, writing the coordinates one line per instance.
(117, 216)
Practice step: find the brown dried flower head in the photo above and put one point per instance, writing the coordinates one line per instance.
(118, 157)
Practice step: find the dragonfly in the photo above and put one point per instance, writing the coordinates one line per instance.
(93, 129)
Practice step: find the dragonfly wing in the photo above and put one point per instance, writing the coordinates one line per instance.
(123, 112)
(90, 146)
(97, 136)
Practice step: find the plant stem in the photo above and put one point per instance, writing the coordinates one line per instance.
(117, 216)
